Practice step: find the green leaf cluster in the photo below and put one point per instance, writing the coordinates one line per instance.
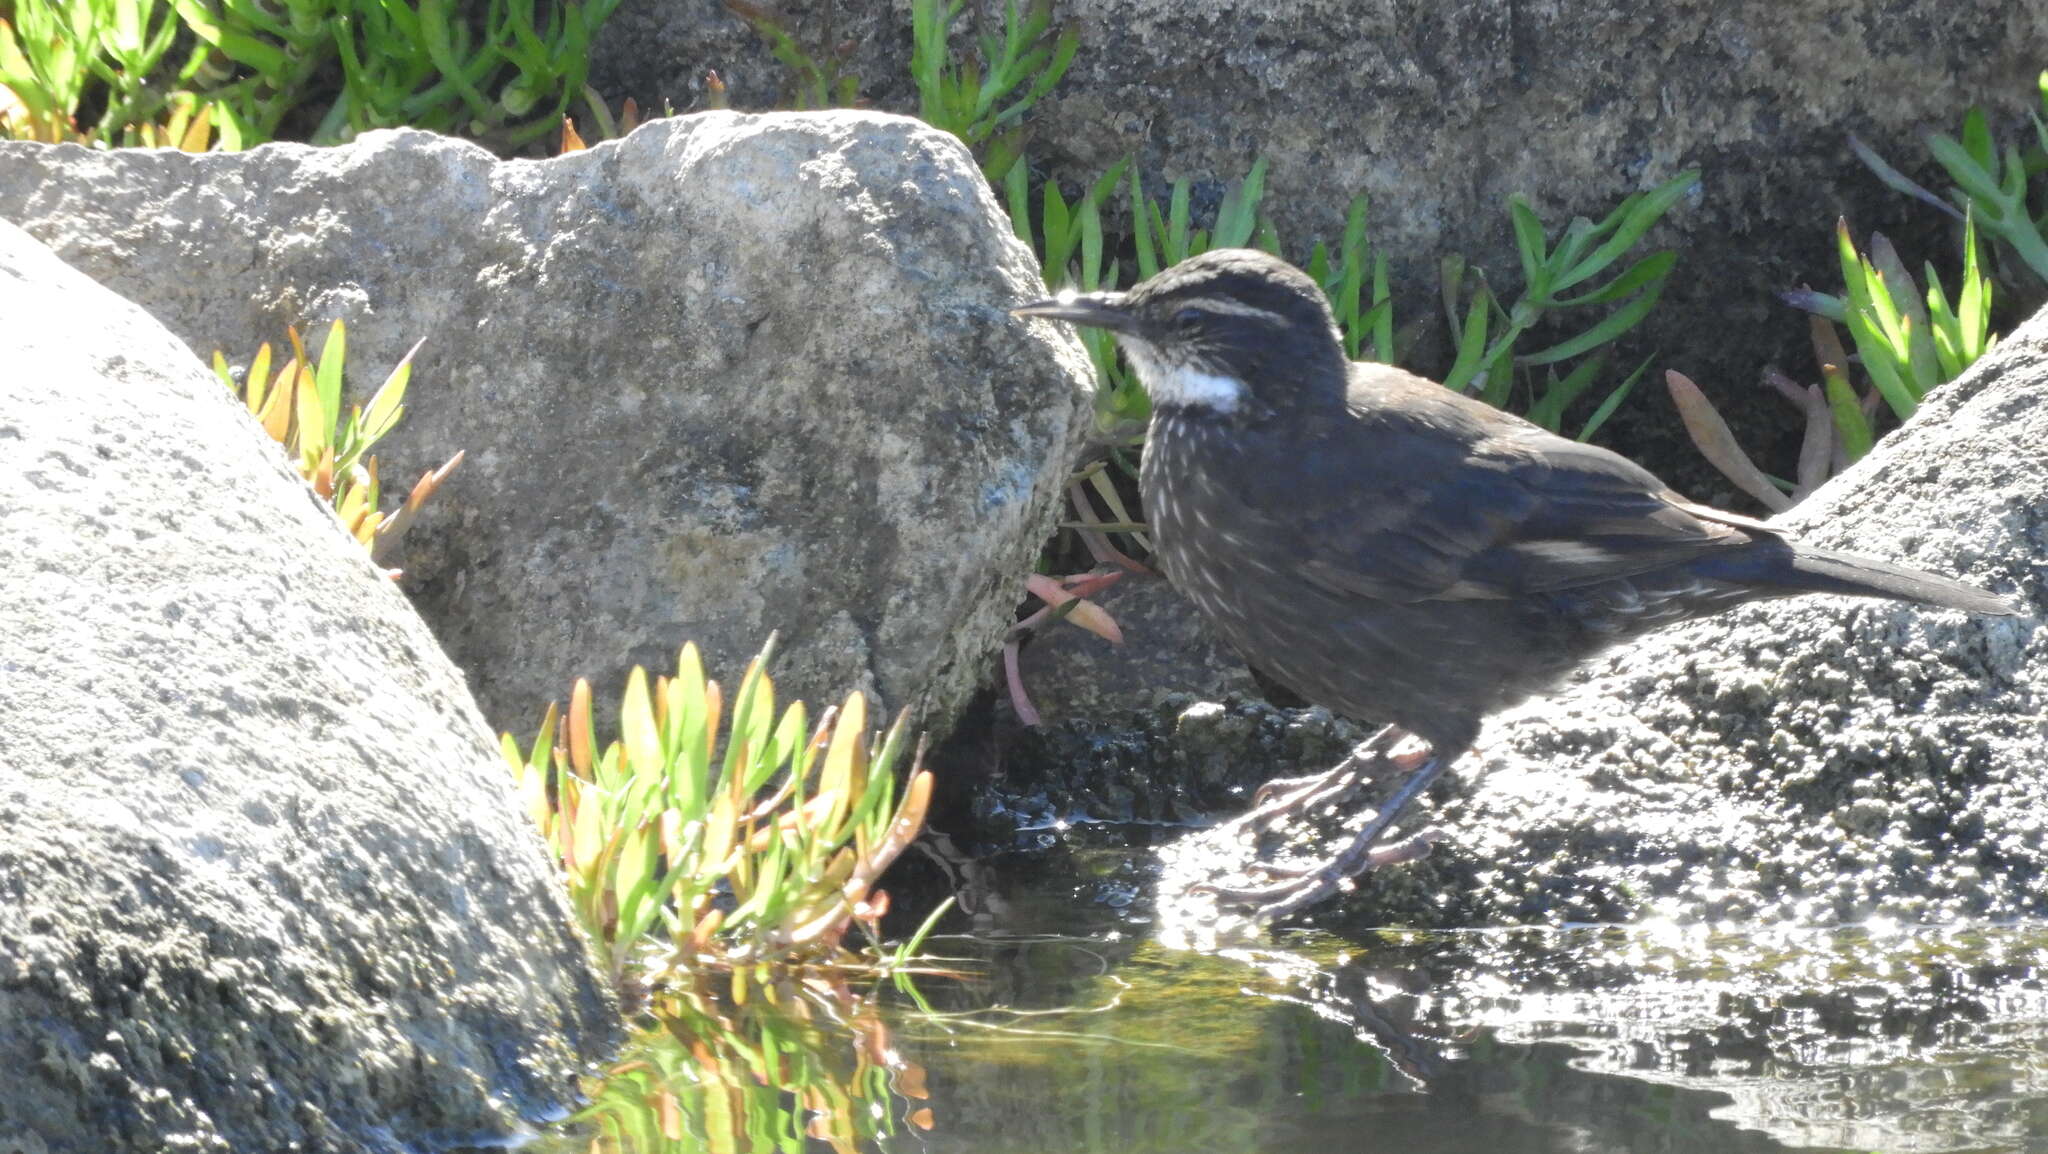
(1990, 183)
(501, 70)
(1487, 333)
(1361, 318)
(1906, 350)
(1994, 186)
(759, 855)
(983, 101)
(126, 57)
(300, 406)
(1906, 347)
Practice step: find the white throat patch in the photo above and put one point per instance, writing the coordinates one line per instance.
(1182, 385)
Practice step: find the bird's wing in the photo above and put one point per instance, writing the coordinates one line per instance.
(1439, 497)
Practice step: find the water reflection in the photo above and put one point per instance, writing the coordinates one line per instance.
(1875, 1037)
(796, 1066)
(1281, 1052)
(1623, 1039)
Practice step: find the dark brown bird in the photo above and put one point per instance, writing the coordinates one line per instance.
(1397, 551)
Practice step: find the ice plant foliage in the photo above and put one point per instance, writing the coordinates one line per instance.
(1904, 348)
(123, 59)
(193, 73)
(983, 101)
(1581, 254)
(763, 849)
(1990, 184)
(300, 407)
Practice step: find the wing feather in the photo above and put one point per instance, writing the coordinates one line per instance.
(1469, 503)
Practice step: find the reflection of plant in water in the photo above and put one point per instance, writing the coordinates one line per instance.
(1877, 1037)
(814, 1059)
(806, 1059)
(1095, 1045)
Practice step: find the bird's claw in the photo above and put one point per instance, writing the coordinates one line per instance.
(1307, 885)
(1283, 785)
(1361, 853)
(1305, 795)
(1286, 796)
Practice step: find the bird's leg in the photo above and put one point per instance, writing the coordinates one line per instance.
(1284, 796)
(1312, 885)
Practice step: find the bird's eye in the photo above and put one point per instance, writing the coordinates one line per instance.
(1189, 318)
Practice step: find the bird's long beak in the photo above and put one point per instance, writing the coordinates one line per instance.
(1098, 310)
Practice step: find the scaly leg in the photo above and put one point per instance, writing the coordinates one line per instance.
(1311, 885)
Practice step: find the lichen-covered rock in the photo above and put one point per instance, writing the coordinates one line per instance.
(1439, 111)
(1818, 759)
(263, 884)
(732, 374)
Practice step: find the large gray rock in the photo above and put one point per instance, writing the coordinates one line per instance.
(1818, 759)
(263, 885)
(730, 375)
(1441, 110)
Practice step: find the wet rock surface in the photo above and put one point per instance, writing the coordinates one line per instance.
(733, 374)
(263, 882)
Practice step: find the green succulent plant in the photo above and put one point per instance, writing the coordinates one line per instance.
(504, 71)
(760, 849)
(1905, 349)
(300, 406)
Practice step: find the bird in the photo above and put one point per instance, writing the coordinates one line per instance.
(1399, 552)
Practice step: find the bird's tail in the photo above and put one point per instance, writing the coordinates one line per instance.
(1822, 572)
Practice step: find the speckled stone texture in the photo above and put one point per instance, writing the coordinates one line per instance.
(1439, 111)
(732, 374)
(1819, 759)
(263, 882)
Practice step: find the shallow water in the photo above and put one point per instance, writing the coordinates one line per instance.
(1640, 1038)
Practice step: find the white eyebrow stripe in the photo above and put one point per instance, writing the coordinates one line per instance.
(1234, 308)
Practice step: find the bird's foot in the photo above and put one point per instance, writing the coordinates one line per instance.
(1285, 797)
(1286, 786)
(1415, 847)
(1306, 886)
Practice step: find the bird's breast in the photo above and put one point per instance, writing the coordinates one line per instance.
(1173, 479)
(1204, 537)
